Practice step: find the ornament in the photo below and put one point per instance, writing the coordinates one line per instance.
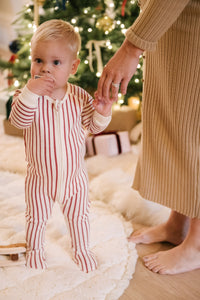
(61, 5)
(37, 4)
(123, 8)
(97, 45)
(134, 102)
(110, 9)
(136, 105)
(40, 2)
(14, 46)
(105, 23)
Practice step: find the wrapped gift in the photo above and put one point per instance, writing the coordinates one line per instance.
(124, 118)
(108, 144)
(11, 130)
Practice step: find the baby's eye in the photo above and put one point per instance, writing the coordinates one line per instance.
(56, 62)
(38, 60)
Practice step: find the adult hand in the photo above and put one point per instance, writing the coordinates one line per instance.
(118, 71)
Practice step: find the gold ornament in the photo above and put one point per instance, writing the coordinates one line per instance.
(134, 102)
(105, 23)
(40, 2)
(37, 3)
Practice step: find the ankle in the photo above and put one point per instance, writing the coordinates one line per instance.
(178, 222)
(194, 234)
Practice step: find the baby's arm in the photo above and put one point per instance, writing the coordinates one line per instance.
(23, 108)
(25, 102)
(95, 115)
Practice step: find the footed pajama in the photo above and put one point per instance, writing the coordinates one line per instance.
(54, 139)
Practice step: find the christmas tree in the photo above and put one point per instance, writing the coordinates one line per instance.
(101, 24)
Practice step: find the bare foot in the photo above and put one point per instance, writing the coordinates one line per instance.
(173, 231)
(183, 258)
(174, 261)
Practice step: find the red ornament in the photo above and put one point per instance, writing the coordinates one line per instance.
(13, 58)
(10, 75)
(123, 8)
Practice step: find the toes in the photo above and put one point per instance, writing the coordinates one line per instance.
(163, 271)
(155, 266)
(150, 257)
(135, 238)
(138, 237)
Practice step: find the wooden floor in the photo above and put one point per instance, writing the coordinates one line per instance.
(146, 285)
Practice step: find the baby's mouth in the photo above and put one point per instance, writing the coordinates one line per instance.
(37, 76)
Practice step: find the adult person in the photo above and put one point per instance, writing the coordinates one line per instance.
(168, 169)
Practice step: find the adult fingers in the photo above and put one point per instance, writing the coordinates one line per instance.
(115, 86)
(104, 86)
(100, 85)
(124, 85)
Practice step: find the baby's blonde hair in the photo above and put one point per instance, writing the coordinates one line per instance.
(58, 30)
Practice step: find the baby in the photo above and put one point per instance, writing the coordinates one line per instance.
(54, 115)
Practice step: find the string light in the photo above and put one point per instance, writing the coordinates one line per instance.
(89, 29)
(120, 99)
(98, 74)
(73, 21)
(34, 27)
(16, 83)
(137, 80)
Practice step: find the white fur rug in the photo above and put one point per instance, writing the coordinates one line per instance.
(114, 203)
(63, 279)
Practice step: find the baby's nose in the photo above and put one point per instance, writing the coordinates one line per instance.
(45, 69)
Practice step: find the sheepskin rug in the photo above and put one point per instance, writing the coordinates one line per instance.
(114, 204)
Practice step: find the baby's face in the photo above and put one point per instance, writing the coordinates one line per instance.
(55, 59)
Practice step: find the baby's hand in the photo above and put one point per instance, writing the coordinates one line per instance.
(42, 86)
(102, 106)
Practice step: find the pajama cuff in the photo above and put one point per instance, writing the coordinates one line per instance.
(28, 98)
(101, 120)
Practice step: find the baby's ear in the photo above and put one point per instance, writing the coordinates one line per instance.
(75, 65)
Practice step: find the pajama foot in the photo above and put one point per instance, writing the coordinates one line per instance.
(86, 261)
(35, 259)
